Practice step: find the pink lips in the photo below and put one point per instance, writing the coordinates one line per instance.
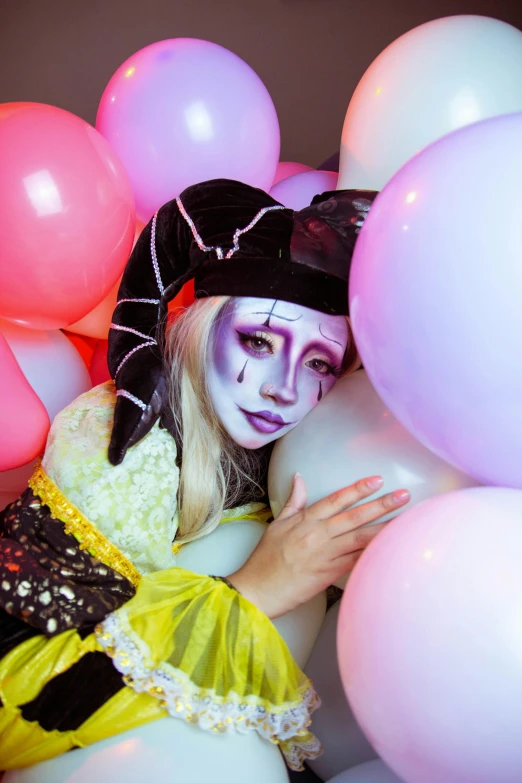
(265, 421)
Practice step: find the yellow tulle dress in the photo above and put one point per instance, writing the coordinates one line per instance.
(186, 644)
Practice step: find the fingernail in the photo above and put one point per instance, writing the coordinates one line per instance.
(375, 482)
(297, 475)
(401, 496)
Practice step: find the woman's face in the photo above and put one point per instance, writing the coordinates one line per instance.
(271, 363)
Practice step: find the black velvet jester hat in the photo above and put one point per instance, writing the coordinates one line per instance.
(234, 240)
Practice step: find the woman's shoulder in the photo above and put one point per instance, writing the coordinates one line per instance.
(139, 495)
(84, 427)
(77, 446)
(94, 407)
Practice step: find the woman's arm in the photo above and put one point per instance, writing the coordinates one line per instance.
(307, 549)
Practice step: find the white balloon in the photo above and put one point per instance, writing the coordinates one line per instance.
(164, 751)
(225, 550)
(334, 723)
(51, 364)
(372, 772)
(351, 435)
(432, 80)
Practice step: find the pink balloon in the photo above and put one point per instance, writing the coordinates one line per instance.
(14, 481)
(298, 191)
(67, 216)
(287, 169)
(182, 111)
(24, 422)
(430, 639)
(435, 298)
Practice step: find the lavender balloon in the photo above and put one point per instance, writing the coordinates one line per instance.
(430, 639)
(182, 111)
(297, 191)
(287, 169)
(436, 298)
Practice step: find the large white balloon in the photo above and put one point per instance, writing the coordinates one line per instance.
(51, 364)
(350, 435)
(371, 772)
(434, 79)
(164, 751)
(334, 723)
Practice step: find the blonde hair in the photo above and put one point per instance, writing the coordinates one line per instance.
(214, 469)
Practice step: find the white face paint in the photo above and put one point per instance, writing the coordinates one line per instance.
(271, 363)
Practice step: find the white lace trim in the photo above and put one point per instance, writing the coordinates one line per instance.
(286, 724)
(299, 749)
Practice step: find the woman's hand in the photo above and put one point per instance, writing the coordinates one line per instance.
(305, 550)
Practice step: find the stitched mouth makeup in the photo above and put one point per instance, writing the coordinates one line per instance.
(264, 421)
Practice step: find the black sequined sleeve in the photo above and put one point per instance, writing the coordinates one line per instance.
(46, 579)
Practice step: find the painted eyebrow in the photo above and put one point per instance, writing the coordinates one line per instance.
(274, 315)
(329, 338)
(271, 314)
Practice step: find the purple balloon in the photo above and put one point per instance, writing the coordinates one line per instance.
(297, 192)
(183, 111)
(430, 639)
(287, 169)
(436, 298)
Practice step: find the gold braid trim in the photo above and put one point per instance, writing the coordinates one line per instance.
(77, 525)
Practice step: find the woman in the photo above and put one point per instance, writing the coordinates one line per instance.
(102, 631)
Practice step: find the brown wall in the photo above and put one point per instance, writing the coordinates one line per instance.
(310, 53)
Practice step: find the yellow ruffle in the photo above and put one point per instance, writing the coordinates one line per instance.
(213, 659)
(77, 525)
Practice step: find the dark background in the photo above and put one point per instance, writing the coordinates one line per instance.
(309, 53)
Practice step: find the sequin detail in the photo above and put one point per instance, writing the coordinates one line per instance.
(154, 256)
(237, 233)
(120, 328)
(76, 524)
(130, 353)
(132, 398)
(285, 725)
(139, 301)
(48, 582)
